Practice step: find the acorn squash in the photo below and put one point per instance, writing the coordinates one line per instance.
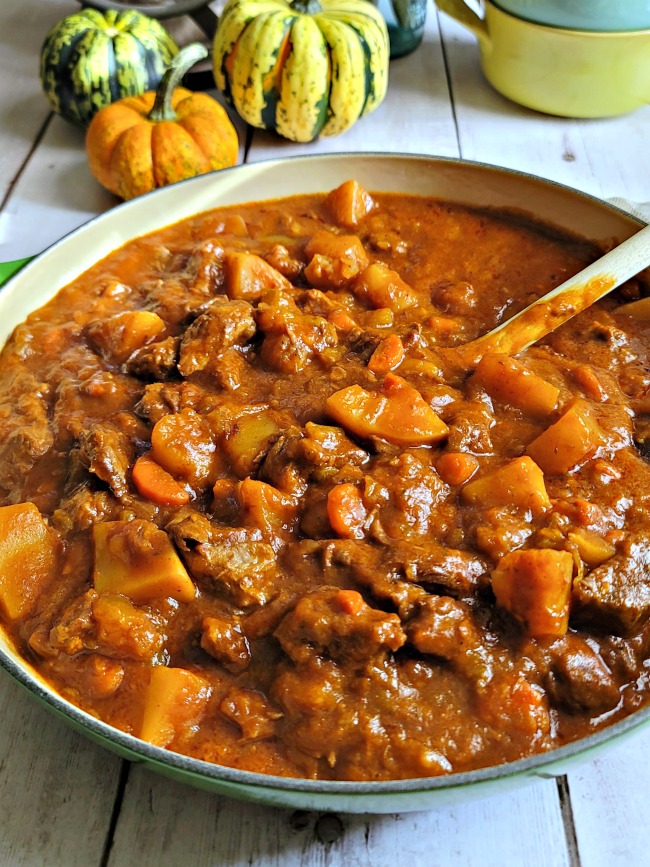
(90, 59)
(302, 68)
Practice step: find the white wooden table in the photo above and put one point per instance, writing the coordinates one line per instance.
(65, 801)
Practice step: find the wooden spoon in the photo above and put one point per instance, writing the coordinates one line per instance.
(560, 304)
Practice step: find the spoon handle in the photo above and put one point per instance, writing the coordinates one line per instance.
(566, 300)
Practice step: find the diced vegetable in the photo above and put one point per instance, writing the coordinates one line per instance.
(509, 382)
(156, 484)
(28, 558)
(124, 630)
(248, 276)
(334, 259)
(349, 203)
(593, 549)
(398, 413)
(138, 560)
(176, 700)
(378, 286)
(586, 378)
(118, 336)
(346, 511)
(569, 442)
(387, 356)
(182, 444)
(249, 436)
(519, 483)
(266, 508)
(637, 309)
(456, 468)
(535, 587)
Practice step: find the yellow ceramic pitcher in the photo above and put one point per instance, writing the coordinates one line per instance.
(574, 73)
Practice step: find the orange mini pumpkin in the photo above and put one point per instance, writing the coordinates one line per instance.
(140, 143)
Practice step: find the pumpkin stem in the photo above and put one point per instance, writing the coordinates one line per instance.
(307, 7)
(184, 60)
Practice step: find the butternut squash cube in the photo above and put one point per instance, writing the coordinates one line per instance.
(534, 585)
(378, 286)
(519, 483)
(176, 700)
(573, 438)
(248, 276)
(349, 203)
(120, 335)
(138, 560)
(248, 437)
(334, 259)
(398, 413)
(28, 558)
(509, 382)
(182, 444)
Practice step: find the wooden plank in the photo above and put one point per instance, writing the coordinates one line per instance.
(519, 827)
(415, 117)
(23, 107)
(609, 804)
(578, 153)
(56, 788)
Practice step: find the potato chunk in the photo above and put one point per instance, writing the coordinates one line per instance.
(349, 203)
(247, 439)
(138, 560)
(266, 508)
(519, 483)
(535, 587)
(398, 413)
(28, 558)
(569, 442)
(176, 701)
(380, 287)
(509, 382)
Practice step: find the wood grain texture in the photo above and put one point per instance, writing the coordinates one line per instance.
(56, 788)
(23, 107)
(157, 815)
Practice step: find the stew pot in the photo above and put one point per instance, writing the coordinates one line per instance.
(448, 179)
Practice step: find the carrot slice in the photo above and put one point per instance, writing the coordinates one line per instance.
(156, 484)
(346, 511)
(388, 355)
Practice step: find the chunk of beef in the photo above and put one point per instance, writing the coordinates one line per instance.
(284, 464)
(155, 361)
(222, 325)
(252, 712)
(329, 446)
(83, 508)
(161, 398)
(224, 640)
(293, 338)
(366, 565)
(339, 625)
(234, 562)
(280, 258)
(470, 424)
(25, 431)
(108, 452)
(615, 597)
(435, 566)
(446, 628)
(579, 680)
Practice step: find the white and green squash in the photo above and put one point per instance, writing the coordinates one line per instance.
(91, 59)
(302, 68)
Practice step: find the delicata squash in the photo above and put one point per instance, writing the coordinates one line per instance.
(302, 68)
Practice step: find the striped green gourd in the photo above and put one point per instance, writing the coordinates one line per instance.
(91, 59)
(302, 68)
